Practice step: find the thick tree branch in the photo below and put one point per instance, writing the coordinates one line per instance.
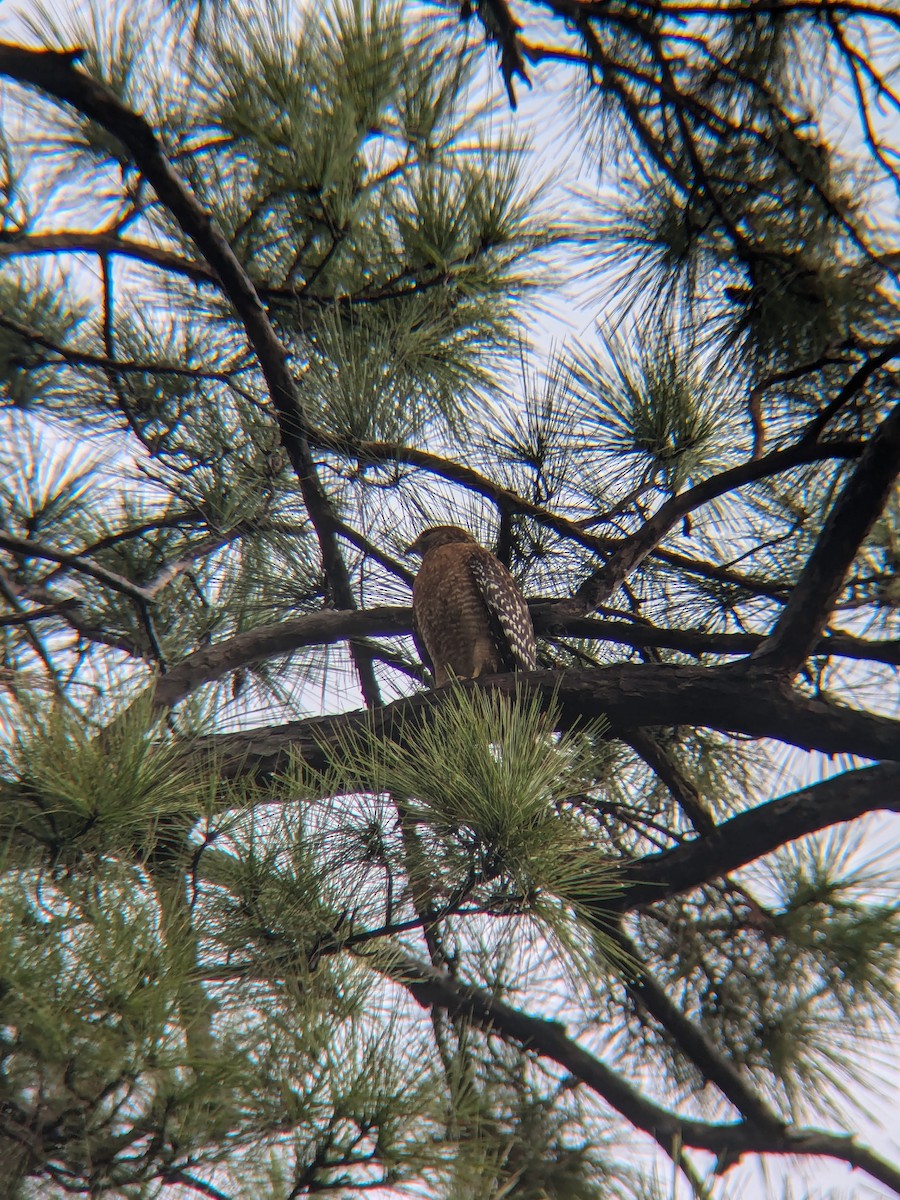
(750, 835)
(267, 641)
(861, 500)
(698, 641)
(333, 625)
(629, 696)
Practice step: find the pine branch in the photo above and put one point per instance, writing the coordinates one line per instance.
(268, 641)
(754, 585)
(750, 835)
(698, 641)
(29, 548)
(859, 504)
(184, 1179)
(24, 617)
(9, 595)
(603, 582)
(628, 696)
(141, 597)
(683, 790)
(55, 73)
(622, 555)
(812, 8)
(375, 552)
(102, 362)
(467, 477)
(434, 989)
(851, 388)
(67, 609)
(201, 549)
(105, 244)
(329, 626)
(406, 283)
(689, 1037)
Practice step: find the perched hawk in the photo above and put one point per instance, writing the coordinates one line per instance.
(467, 610)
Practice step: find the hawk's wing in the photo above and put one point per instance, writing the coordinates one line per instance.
(419, 643)
(507, 611)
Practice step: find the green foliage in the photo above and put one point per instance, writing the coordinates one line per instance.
(27, 370)
(74, 790)
(668, 407)
(515, 1142)
(498, 814)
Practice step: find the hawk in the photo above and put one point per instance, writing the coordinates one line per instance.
(467, 610)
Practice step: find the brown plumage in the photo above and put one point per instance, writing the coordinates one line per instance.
(468, 613)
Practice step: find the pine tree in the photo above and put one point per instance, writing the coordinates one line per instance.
(276, 918)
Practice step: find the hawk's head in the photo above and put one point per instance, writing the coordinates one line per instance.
(438, 535)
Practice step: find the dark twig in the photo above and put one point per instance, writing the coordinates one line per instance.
(28, 548)
(683, 790)
(502, 29)
(851, 388)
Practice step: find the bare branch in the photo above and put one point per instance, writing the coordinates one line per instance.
(267, 641)
(750, 835)
(851, 388)
(502, 29)
(683, 790)
(75, 562)
(754, 585)
(861, 500)
(630, 696)
(74, 242)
